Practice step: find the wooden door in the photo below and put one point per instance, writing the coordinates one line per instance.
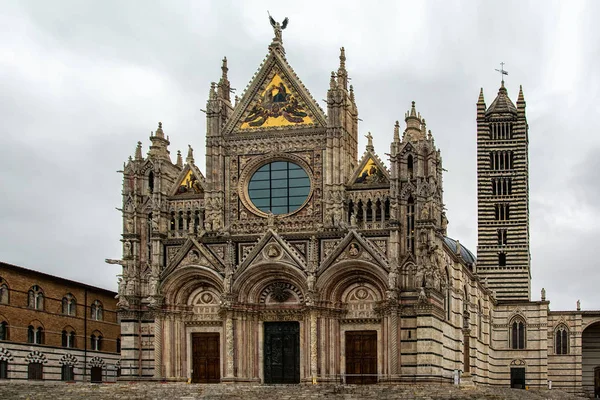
(206, 358)
(96, 374)
(282, 352)
(517, 378)
(361, 357)
(35, 371)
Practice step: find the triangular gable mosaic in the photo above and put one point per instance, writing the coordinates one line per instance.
(275, 99)
(189, 183)
(370, 171)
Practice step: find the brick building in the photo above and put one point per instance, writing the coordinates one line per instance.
(53, 328)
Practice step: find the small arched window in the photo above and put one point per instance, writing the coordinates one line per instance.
(69, 305)
(96, 310)
(36, 298)
(3, 330)
(68, 337)
(4, 293)
(561, 340)
(96, 341)
(35, 335)
(151, 182)
(517, 334)
(410, 165)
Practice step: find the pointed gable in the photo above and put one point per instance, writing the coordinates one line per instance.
(370, 172)
(355, 247)
(275, 98)
(193, 252)
(189, 183)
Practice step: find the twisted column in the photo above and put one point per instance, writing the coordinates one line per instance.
(229, 346)
(157, 347)
(313, 346)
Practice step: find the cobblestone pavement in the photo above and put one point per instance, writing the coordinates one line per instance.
(181, 391)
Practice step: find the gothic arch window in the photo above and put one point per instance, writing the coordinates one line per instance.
(35, 334)
(68, 337)
(151, 182)
(36, 298)
(96, 310)
(502, 259)
(502, 237)
(517, 335)
(410, 166)
(172, 221)
(96, 341)
(69, 305)
(3, 330)
(4, 292)
(561, 340)
(410, 225)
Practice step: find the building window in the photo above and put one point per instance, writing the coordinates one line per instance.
(36, 298)
(118, 345)
(96, 341)
(35, 335)
(502, 237)
(502, 186)
(410, 166)
(4, 292)
(69, 305)
(410, 225)
(96, 310)
(502, 259)
(500, 130)
(517, 334)
(562, 340)
(151, 182)
(501, 160)
(3, 330)
(3, 369)
(67, 373)
(280, 187)
(68, 337)
(502, 212)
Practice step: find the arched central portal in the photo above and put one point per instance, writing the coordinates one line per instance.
(282, 352)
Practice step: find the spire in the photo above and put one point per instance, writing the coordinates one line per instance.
(224, 87)
(332, 80)
(342, 75)
(414, 128)
(502, 104)
(159, 131)
(190, 155)
(480, 100)
(413, 111)
(138, 151)
(179, 159)
(397, 132)
(521, 98)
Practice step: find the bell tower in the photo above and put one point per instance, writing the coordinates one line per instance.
(503, 257)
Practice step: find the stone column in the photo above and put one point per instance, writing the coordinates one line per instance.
(157, 347)
(229, 346)
(313, 346)
(393, 341)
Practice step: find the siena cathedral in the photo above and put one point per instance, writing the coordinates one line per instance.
(296, 257)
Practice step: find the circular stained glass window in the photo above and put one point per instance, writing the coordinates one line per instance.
(280, 187)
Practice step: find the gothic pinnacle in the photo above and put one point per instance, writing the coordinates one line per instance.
(224, 68)
(352, 94)
(521, 98)
(159, 131)
(179, 159)
(342, 58)
(138, 151)
(480, 100)
(413, 111)
(397, 131)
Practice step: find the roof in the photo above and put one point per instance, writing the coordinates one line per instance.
(502, 103)
(54, 277)
(464, 252)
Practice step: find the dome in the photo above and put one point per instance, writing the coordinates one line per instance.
(464, 252)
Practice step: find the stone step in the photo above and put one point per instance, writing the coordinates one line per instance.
(182, 391)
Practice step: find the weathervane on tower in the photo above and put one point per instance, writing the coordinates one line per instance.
(277, 27)
(502, 71)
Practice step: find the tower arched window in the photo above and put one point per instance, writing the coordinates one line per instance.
(517, 335)
(36, 298)
(502, 259)
(561, 340)
(151, 182)
(69, 305)
(96, 310)
(4, 292)
(410, 225)
(410, 166)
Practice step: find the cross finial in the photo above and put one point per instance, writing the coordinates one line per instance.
(502, 71)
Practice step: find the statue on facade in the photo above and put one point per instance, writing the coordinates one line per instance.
(277, 27)
(543, 293)
(129, 225)
(127, 249)
(227, 280)
(154, 222)
(310, 282)
(353, 221)
(393, 279)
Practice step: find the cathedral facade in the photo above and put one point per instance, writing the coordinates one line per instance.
(295, 259)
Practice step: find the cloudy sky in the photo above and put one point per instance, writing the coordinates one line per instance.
(82, 82)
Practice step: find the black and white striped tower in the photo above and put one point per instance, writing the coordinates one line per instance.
(503, 258)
